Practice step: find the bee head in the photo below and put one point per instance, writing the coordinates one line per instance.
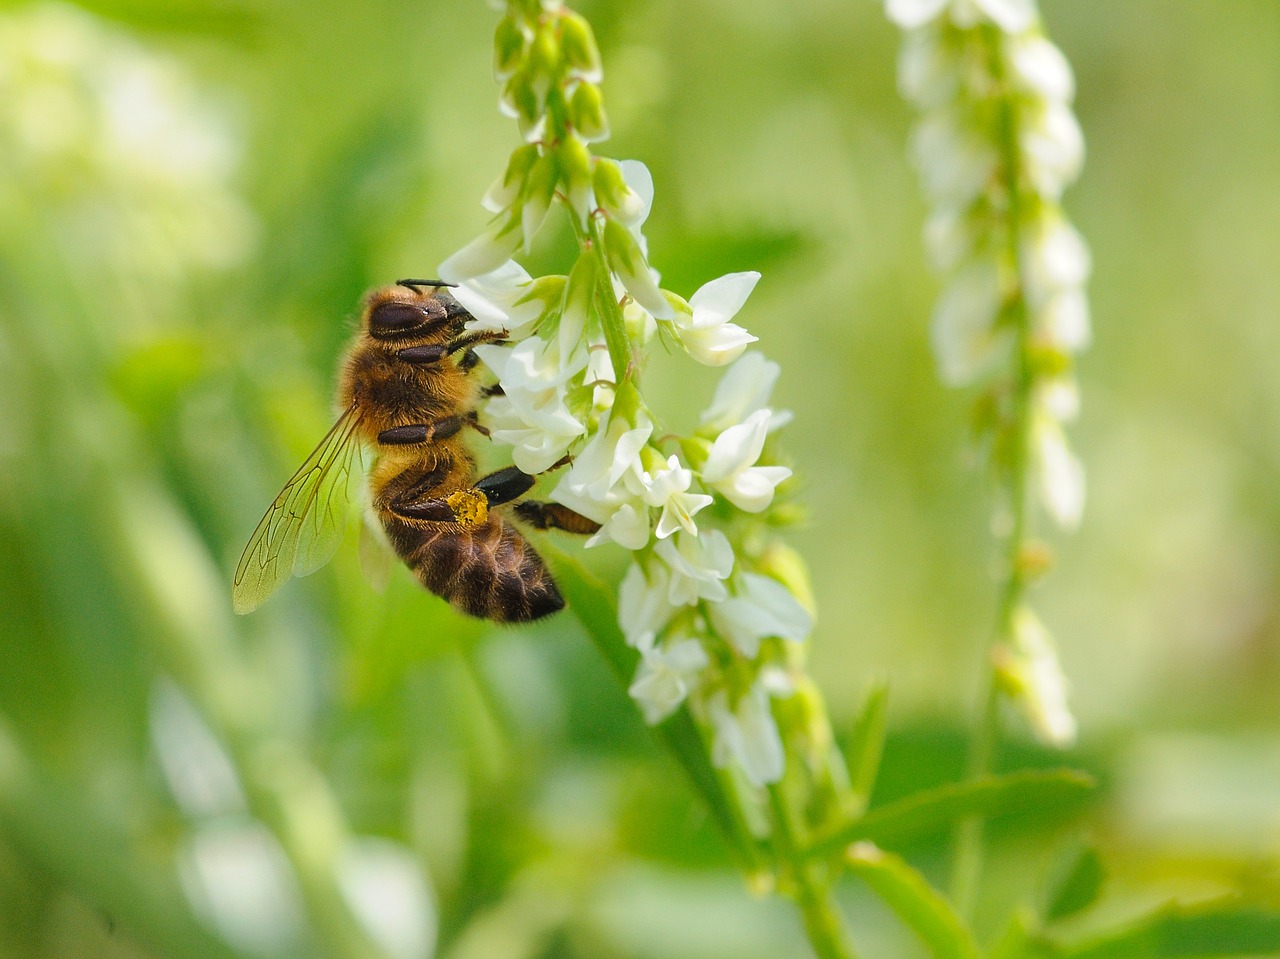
(406, 311)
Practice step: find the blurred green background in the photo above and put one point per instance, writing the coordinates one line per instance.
(193, 196)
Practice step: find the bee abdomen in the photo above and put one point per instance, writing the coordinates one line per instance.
(491, 572)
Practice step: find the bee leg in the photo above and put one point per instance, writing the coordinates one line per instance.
(555, 516)
(416, 433)
(504, 485)
(475, 338)
(468, 507)
(422, 355)
(495, 390)
(473, 420)
(468, 361)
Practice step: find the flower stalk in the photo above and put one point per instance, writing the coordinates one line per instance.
(996, 145)
(713, 612)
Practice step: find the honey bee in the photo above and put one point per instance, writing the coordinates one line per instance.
(405, 391)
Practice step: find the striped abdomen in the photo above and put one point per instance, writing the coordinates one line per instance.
(491, 572)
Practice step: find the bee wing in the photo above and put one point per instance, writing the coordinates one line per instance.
(303, 526)
(376, 555)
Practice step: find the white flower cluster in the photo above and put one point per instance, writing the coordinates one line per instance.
(689, 605)
(996, 145)
(708, 623)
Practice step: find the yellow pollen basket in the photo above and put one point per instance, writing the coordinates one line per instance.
(470, 506)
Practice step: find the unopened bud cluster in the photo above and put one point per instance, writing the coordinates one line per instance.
(710, 601)
(996, 144)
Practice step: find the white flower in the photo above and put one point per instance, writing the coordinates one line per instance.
(639, 200)
(966, 342)
(927, 70)
(744, 389)
(531, 415)
(761, 607)
(613, 452)
(1040, 68)
(1063, 322)
(706, 332)
(501, 299)
(1057, 259)
(537, 441)
(644, 605)
(1011, 16)
(730, 467)
(748, 735)
(593, 486)
(667, 488)
(1041, 689)
(1052, 146)
(486, 253)
(910, 14)
(1060, 474)
(956, 163)
(665, 675)
(698, 566)
(950, 235)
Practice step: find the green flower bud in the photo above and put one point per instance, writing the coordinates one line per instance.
(578, 47)
(544, 55)
(575, 170)
(507, 188)
(539, 189)
(519, 100)
(696, 449)
(788, 567)
(508, 48)
(586, 112)
(615, 194)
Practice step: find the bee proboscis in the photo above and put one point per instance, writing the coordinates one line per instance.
(405, 392)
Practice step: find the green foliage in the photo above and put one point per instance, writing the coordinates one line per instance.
(167, 342)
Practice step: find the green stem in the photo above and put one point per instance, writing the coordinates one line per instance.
(967, 865)
(823, 923)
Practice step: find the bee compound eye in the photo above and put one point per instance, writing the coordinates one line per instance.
(393, 317)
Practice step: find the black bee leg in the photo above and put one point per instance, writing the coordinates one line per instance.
(504, 485)
(473, 420)
(468, 361)
(414, 284)
(495, 390)
(417, 433)
(555, 516)
(422, 355)
(467, 507)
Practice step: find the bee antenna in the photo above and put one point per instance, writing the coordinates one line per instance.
(414, 284)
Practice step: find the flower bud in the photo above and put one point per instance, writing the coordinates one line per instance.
(578, 47)
(615, 194)
(519, 100)
(586, 112)
(575, 170)
(628, 262)
(507, 187)
(539, 189)
(788, 567)
(578, 295)
(544, 58)
(508, 48)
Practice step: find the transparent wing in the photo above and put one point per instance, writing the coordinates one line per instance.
(303, 526)
(376, 555)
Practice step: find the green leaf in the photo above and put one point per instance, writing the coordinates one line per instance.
(867, 743)
(1222, 928)
(921, 908)
(592, 601)
(1076, 882)
(1044, 791)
